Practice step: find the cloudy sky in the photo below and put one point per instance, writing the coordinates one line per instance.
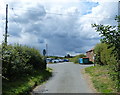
(64, 25)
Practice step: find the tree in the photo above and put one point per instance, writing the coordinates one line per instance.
(82, 55)
(111, 36)
(68, 56)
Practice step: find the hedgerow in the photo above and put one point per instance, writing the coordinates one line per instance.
(18, 60)
(104, 56)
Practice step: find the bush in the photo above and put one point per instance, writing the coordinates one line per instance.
(35, 59)
(20, 60)
(105, 56)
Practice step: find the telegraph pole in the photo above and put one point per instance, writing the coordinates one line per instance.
(118, 11)
(46, 49)
(6, 27)
(118, 59)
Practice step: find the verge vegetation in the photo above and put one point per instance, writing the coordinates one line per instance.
(106, 73)
(101, 78)
(75, 59)
(23, 68)
(25, 84)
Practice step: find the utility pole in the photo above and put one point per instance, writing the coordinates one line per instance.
(6, 27)
(118, 59)
(118, 11)
(45, 63)
(46, 49)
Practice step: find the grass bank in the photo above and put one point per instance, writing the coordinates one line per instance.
(76, 58)
(23, 85)
(101, 79)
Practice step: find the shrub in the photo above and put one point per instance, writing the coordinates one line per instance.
(20, 60)
(105, 56)
(35, 59)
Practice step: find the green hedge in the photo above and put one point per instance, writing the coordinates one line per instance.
(18, 60)
(104, 56)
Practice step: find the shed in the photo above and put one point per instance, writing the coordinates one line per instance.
(90, 54)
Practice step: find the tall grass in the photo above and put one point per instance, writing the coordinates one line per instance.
(101, 78)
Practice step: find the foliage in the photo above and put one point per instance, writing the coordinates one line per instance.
(24, 85)
(20, 60)
(104, 57)
(75, 59)
(81, 55)
(103, 54)
(55, 57)
(68, 56)
(100, 76)
(111, 36)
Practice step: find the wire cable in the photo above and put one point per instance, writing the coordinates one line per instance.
(61, 14)
(14, 19)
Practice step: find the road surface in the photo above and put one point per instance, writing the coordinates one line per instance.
(67, 78)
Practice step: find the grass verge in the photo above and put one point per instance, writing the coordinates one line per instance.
(101, 79)
(24, 85)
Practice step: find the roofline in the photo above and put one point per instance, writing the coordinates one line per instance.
(90, 50)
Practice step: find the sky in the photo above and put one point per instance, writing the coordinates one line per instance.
(64, 25)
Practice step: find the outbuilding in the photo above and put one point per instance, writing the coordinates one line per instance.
(90, 54)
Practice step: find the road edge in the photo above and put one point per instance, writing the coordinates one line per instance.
(88, 79)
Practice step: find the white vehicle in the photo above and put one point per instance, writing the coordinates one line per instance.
(48, 60)
(60, 60)
(55, 60)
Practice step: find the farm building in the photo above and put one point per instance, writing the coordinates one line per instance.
(90, 54)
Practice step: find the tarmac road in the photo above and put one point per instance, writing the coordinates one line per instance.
(67, 78)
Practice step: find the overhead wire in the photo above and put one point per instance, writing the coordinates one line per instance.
(14, 19)
(61, 14)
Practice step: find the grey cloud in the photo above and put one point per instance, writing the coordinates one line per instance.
(14, 30)
(63, 34)
(41, 41)
(36, 13)
(31, 15)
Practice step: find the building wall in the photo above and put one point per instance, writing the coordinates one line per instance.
(90, 55)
